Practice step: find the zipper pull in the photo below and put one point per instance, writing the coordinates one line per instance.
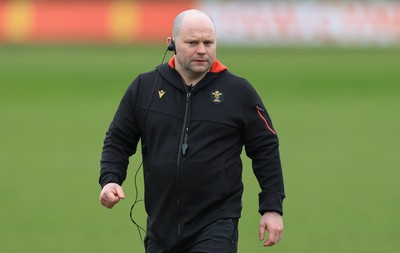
(185, 145)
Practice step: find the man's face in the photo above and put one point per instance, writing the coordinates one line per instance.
(195, 47)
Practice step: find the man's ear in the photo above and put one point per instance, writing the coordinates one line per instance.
(171, 45)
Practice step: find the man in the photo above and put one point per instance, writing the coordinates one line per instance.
(193, 117)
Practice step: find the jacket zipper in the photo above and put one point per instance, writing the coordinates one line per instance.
(183, 146)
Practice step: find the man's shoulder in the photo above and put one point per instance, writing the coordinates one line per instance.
(233, 80)
(237, 83)
(148, 74)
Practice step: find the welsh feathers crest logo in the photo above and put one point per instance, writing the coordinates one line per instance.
(217, 97)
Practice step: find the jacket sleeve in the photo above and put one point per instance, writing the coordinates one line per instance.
(262, 147)
(121, 139)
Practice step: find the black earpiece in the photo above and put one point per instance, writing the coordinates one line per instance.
(171, 46)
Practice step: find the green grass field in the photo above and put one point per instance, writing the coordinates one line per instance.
(336, 112)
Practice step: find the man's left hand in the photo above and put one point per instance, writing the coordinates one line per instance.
(272, 223)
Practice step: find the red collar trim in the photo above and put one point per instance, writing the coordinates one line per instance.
(215, 68)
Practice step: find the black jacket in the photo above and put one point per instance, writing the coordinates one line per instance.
(192, 141)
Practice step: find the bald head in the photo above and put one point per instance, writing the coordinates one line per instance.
(191, 17)
(195, 45)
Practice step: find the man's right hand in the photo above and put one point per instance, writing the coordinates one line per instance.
(111, 194)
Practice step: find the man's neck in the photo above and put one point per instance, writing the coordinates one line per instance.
(191, 79)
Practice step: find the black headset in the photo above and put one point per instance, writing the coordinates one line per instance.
(171, 46)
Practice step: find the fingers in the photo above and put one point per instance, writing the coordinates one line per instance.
(273, 238)
(120, 192)
(261, 232)
(111, 194)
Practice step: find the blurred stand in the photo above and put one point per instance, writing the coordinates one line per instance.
(245, 23)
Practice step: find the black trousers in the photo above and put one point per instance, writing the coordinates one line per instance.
(218, 237)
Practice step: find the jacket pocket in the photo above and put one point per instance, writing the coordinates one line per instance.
(160, 188)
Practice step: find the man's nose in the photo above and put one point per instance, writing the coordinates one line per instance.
(201, 49)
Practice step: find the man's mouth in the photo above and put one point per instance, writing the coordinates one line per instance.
(199, 60)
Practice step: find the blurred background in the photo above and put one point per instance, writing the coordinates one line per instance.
(328, 72)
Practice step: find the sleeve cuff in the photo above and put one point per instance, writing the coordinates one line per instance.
(271, 202)
(111, 178)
